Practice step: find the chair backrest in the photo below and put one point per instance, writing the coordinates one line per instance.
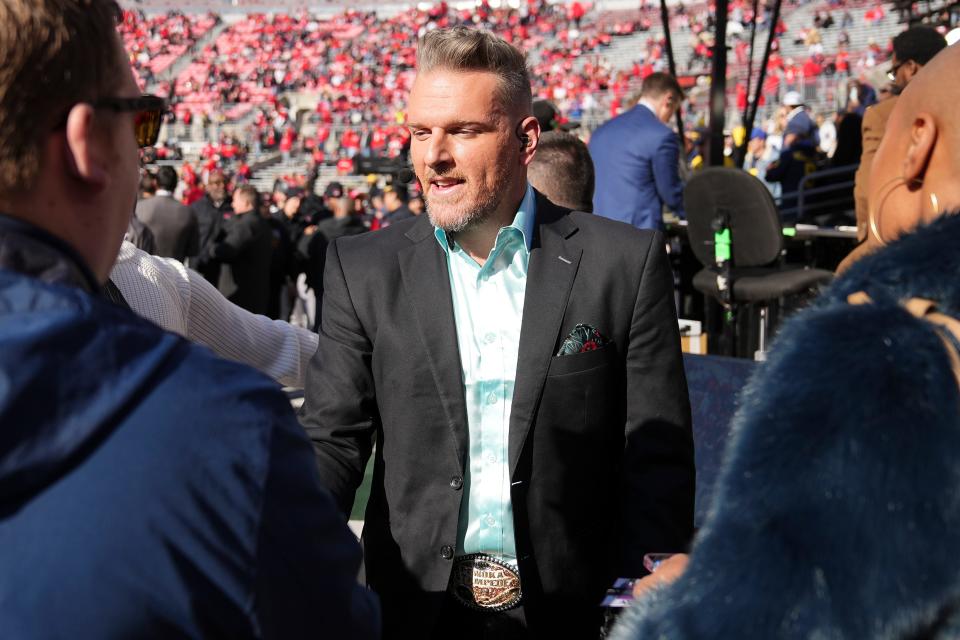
(756, 234)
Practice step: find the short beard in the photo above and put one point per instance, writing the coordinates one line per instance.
(471, 218)
(466, 221)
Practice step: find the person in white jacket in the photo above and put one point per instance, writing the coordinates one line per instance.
(180, 300)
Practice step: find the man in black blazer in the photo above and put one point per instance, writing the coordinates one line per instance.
(597, 456)
(245, 252)
(212, 211)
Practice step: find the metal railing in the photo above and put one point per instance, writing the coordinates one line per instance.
(813, 201)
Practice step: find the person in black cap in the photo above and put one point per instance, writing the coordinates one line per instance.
(549, 117)
(343, 222)
(333, 190)
(395, 205)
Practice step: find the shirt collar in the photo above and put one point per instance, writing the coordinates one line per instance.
(652, 108)
(524, 222)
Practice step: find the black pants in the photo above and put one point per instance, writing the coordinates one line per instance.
(460, 623)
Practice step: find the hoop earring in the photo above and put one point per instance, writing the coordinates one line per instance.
(936, 204)
(873, 216)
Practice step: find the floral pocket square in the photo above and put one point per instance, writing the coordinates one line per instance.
(584, 337)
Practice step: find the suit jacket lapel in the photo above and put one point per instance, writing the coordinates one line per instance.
(427, 282)
(553, 265)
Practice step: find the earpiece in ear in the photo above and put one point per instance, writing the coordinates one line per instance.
(521, 136)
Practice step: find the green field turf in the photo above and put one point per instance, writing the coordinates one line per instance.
(363, 493)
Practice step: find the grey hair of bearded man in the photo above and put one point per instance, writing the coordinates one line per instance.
(465, 49)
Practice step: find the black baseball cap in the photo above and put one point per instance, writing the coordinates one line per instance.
(548, 116)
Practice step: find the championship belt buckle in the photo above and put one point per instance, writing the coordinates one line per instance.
(484, 583)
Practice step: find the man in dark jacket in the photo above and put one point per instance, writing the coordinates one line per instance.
(246, 248)
(212, 210)
(519, 368)
(395, 205)
(149, 489)
(314, 246)
(173, 225)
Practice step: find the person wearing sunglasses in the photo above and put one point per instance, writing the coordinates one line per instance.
(912, 49)
(147, 115)
(149, 488)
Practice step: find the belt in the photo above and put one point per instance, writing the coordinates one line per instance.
(484, 583)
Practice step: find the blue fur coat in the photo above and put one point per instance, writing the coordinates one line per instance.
(837, 515)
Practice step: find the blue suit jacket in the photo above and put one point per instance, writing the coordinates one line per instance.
(636, 158)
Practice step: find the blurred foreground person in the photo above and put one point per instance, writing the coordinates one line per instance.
(150, 489)
(838, 512)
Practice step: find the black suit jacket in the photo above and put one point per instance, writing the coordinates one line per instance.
(601, 453)
(210, 223)
(247, 247)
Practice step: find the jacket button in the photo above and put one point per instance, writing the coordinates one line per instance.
(446, 552)
(456, 482)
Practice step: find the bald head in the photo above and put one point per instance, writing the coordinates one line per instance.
(914, 172)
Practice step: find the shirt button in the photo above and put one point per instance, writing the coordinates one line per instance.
(492, 459)
(490, 337)
(456, 482)
(492, 398)
(446, 552)
(491, 521)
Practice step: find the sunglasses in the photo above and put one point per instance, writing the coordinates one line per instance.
(892, 73)
(148, 115)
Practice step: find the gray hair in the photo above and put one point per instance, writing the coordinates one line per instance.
(464, 49)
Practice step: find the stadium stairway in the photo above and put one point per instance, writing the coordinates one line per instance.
(184, 60)
(264, 179)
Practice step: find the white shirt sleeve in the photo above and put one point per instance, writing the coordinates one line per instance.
(181, 300)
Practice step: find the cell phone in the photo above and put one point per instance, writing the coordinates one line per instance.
(652, 561)
(620, 595)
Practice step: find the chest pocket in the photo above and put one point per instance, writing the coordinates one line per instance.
(580, 362)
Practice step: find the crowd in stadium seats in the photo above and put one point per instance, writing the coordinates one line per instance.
(356, 85)
(155, 43)
(360, 83)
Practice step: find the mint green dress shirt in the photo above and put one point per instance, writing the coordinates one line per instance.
(488, 310)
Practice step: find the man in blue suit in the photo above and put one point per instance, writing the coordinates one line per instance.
(636, 157)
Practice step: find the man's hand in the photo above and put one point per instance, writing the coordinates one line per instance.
(668, 571)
